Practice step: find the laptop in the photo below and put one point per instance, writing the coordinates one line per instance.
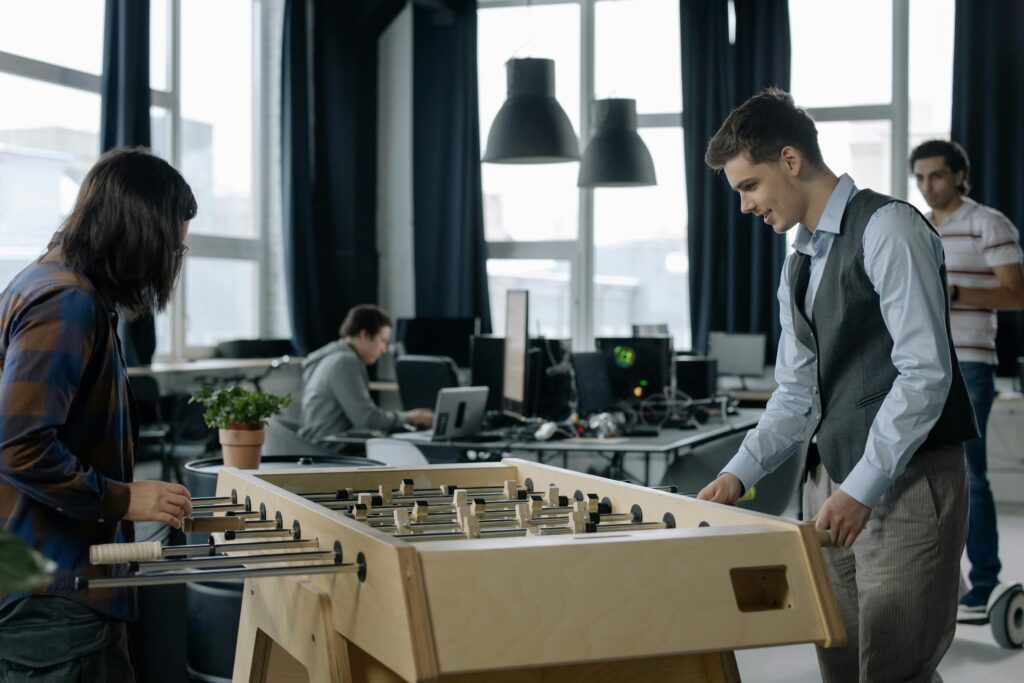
(458, 414)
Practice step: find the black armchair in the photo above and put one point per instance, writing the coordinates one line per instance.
(153, 429)
(421, 377)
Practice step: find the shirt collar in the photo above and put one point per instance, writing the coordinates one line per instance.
(967, 205)
(965, 208)
(831, 218)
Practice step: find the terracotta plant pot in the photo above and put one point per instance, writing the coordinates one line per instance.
(241, 445)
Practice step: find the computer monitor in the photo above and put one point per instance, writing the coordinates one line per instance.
(487, 367)
(650, 330)
(517, 341)
(697, 376)
(547, 390)
(637, 366)
(738, 355)
(593, 387)
(459, 412)
(437, 337)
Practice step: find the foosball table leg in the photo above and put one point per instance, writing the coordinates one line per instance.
(285, 621)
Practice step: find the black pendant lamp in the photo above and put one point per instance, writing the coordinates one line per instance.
(531, 127)
(616, 155)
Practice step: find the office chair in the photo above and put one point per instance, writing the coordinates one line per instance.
(395, 452)
(280, 350)
(421, 377)
(191, 439)
(282, 438)
(153, 429)
(254, 348)
(776, 494)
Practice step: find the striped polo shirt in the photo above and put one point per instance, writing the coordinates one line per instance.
(976, 238)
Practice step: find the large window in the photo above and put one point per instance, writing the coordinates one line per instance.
(874, 105)
(49, 119)
(595, 261)
(875, 74)
(207, 111)
(206, 54)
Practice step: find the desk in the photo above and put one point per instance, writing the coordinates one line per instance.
(670, 443)
(184, 377)
(206, 366)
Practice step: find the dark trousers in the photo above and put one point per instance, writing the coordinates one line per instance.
(48, 639)
(897, 586)
(982, 536)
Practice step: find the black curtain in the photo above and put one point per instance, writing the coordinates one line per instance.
(450, 251)
(124, 88)
(988, 103)
(735, 261)
(328, 140)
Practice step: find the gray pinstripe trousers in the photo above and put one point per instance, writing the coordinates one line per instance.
(897, 586)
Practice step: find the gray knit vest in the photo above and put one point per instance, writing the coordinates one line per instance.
(853, 348)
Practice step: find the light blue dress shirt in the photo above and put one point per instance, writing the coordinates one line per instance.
(902, 258)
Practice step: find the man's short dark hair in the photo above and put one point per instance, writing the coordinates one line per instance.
(125, 230)
(364, 318)
(760, 127)
(952, 153)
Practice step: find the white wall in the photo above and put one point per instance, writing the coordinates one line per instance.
(394, 167)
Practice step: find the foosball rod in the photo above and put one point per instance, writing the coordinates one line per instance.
(450, 508)
(157, 579)
(405, 501)
(406, 489)
(149, 551)
(201, 561)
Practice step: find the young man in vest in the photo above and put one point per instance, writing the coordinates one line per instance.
(868, 383)
(983, 255)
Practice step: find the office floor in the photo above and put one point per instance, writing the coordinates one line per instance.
(973, 656)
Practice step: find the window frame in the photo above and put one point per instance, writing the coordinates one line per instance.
(248, 249)
(896, 111)
(210, 246)
(580, 253)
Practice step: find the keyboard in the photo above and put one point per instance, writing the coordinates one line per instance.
(641, 430)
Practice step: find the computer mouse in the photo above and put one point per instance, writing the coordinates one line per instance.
(545, 431)
(409, 427)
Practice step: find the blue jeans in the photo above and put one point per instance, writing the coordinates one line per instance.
(982, 536)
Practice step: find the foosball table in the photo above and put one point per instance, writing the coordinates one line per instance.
(510, 571)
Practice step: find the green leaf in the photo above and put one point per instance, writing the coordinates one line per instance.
(237, 405)
(21, 567)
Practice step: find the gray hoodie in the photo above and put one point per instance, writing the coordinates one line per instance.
(336, 395)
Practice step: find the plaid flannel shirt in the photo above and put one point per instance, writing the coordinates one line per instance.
(67, 428)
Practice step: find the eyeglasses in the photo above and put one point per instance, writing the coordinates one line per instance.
(181, 251)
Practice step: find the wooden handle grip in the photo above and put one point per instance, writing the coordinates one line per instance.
(826, 538)
(198, 525)
(117, 553)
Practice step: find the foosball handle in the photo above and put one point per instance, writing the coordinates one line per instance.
(199, 525)
(118, 553)
(826, 538)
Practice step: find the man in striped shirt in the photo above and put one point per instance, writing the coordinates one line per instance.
(983, 258)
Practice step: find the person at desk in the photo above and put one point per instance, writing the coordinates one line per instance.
(336, 386)
(68, 426)
(868, 382)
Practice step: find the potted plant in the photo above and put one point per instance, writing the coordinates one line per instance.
(240, 415)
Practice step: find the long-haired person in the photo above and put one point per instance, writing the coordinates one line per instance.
(68, 426)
